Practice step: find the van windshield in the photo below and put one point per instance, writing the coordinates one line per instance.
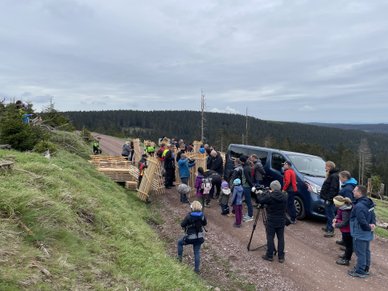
(308, 165)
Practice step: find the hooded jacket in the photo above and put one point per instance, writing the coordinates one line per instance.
(330, 187)
(347, 189)
(276, 202)
(184, 166)
(237, 195)
(343, 218)
(193, 224)
(361, 216)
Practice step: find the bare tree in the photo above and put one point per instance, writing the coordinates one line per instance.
(364, 161)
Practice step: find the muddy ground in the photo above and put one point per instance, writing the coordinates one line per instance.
(227, 264)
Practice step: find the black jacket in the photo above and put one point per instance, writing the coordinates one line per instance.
(216, 164)
(276, 203)
(193, 224)
(258, 172)
(330, 187)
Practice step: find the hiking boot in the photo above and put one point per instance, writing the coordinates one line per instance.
(353, 273)
(340, 242)
(281, 260)
(341, 256)
(329, 234)
(343, 262)
(265, 257)
(366, 270)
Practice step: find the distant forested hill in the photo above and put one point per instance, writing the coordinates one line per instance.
(376, 128)
(341, 146)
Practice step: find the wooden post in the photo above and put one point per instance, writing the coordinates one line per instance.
(197, 145)
(138, 151)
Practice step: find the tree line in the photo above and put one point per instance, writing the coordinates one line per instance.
(363, 154)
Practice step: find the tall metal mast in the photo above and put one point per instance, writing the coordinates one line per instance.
(202, 115)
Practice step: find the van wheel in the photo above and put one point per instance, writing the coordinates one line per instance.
(299, 207)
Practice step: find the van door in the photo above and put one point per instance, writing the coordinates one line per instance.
(276, 166)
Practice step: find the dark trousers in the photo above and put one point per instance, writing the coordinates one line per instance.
(348, 241)
(196, 249)
(271, 231)
(362, 250)
(224, 209)
(248, 200)
(216, 189)
(169, 177)
(291, 205)
(330, 214)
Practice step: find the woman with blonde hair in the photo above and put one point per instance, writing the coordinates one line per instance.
(193, 225)
(342, 221)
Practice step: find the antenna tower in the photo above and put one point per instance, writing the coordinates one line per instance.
(202, 115)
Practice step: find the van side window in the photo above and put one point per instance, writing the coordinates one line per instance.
(277, 161)
(262, 156)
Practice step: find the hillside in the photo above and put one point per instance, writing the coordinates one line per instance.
(64, 226)
(341, 146)
(373, 128)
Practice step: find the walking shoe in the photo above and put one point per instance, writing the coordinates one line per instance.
(324, 229)
(329, 234)
(366, 270)
(353, 273)
(265, 257)
(247, 218)
(281, 260)
(340, 242)
(341, 256)
(343, 262)
(179, 258)
(342, 248)
(231, 215)
(237, 225)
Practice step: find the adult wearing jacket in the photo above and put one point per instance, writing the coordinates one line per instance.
(216, 181)
(169, 167)
(193, 224)
(362, 225)
(215, 162)
(289, 186)
(258, 171)
(126, 150)
(347, 185)
(184, 165)
(329, 190)
(247, 184)
(276, 202)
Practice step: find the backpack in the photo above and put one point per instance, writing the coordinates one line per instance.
(206, 185)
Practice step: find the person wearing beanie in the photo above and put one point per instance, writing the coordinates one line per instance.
(342, 221)
(276, 202)
(224, 198)
(236, 201)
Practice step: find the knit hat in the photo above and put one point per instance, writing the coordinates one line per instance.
(202, 150)
(338, 201)
(243, 159)
(183, 189)
(224, 185)
(275, 185)
(237, 182)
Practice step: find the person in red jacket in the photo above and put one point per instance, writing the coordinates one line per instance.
(289, 186)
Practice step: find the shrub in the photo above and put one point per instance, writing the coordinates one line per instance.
(44, 145)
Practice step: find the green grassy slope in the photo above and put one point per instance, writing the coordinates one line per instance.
(65, 226)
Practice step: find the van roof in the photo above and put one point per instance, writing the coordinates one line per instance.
(269, 149)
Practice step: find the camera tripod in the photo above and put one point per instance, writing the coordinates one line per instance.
(260, 209)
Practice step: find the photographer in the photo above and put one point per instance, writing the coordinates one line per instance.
(193, 225)
(276, 204)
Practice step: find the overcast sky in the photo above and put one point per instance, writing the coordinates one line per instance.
(292, 60)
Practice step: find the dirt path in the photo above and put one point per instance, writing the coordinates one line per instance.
(226, 263)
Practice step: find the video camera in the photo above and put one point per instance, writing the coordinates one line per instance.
(260, 189)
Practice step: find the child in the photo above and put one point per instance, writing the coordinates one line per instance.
(224, 198)
(142, 167)
(183, 191)
(237, 201)
(342, 221)
(198, 184)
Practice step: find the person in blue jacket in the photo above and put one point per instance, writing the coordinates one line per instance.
(184, 165)
(347, 185)
(362, 225)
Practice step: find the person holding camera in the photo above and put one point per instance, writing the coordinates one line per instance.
(276, 205)
(193, 224)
